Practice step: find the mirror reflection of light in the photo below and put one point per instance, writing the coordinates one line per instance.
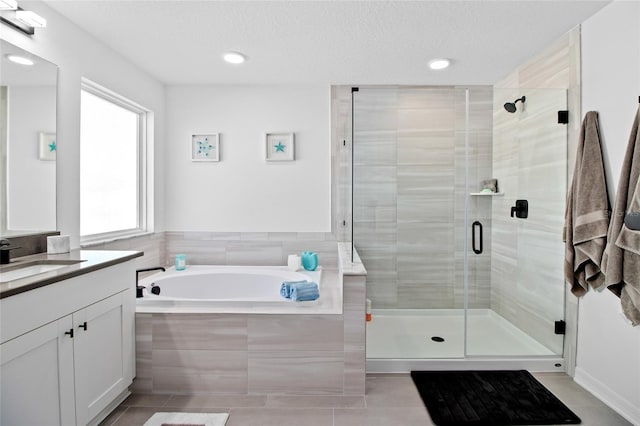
(439, 64)
(234, 57)
(20, 60)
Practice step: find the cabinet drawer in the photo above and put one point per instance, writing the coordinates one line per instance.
(32, 309)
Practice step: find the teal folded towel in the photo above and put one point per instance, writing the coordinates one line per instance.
(304, 291)
(285, 287)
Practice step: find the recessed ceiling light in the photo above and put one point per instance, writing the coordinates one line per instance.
(234, 57)
(19, 59)
(439, 64)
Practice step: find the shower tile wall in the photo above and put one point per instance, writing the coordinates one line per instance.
(409, 194)
(425, 187)
(530, 157)
(525, 305)
(375, 191)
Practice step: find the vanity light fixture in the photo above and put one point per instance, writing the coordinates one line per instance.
(19, 19)
(439, 63)
(234, 57)
(30, 18)
(20, 60)
(8, 4)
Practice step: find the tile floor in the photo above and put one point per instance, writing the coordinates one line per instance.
(391, 400)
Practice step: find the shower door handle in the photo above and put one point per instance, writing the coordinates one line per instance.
(476, 226)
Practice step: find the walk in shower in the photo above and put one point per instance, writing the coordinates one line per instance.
(456, 274)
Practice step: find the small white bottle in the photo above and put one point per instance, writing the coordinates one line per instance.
(293, 262)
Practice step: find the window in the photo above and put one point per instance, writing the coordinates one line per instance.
(112, 165)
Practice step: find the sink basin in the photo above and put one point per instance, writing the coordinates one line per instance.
(35, 267)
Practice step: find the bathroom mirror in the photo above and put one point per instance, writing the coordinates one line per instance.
(28, 144)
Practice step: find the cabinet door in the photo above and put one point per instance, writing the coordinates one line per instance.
(102, 353)
(36, 377)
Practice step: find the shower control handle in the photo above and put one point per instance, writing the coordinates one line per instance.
(521, 209)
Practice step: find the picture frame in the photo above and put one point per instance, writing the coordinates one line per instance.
(48, 146)
(205, 147)
(279, 146)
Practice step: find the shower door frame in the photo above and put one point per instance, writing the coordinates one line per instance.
(467, 361)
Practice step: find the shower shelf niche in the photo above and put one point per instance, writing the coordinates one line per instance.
(486, 194)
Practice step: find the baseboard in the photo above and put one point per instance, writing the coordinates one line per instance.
(617, 402)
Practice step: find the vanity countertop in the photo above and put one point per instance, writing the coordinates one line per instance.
(90, 260)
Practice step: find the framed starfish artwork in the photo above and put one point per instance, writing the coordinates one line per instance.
(205, 147)
(280, 147)
(48, 146)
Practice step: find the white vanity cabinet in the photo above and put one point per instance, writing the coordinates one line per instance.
(67, 352)
(103, 353)
(36, 370)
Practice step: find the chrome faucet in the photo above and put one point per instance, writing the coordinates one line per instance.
(5, 251)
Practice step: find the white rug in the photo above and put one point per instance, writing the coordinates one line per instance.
(188, 419)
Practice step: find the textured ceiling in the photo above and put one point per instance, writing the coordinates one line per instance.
(335, 42)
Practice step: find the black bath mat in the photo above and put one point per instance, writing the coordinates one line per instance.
(479, 398)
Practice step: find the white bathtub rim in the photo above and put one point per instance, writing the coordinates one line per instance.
(330, 301)
(283, 274)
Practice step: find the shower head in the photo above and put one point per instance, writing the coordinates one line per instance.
(511, 106)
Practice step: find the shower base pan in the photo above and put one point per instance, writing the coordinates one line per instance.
(401, 340)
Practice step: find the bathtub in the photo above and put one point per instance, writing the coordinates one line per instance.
(244, 339)
(234, 289)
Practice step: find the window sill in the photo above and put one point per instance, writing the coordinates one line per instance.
(113, 238)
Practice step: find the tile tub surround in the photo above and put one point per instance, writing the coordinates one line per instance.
(152, 245)
(248, 353)
(249, 248)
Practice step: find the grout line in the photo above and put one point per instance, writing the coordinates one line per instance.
(167, 400)
(115, 421)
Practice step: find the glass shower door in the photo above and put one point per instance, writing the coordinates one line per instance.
(523, 233)
(408, 218)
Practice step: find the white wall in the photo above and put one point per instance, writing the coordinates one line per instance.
(608, 361)
(243, 192)
(79, 55)
(31, 189)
